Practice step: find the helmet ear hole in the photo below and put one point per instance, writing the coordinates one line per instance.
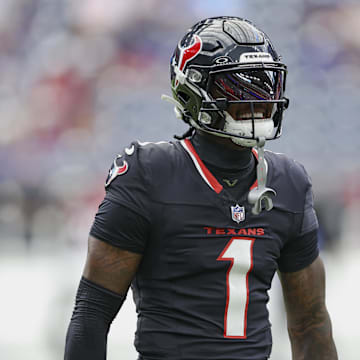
(183, 97)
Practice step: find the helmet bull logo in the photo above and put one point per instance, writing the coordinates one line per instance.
(187, 54)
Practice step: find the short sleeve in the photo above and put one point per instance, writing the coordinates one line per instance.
(303, 249)
(310, 221)
(127, 182)
(299, 253)
(123, 218)
(120, 226)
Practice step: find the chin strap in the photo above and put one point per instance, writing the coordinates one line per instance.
(261, 195)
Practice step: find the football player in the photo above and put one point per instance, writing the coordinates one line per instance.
(199, 226)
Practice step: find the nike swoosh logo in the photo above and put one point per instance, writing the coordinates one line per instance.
(130, 151)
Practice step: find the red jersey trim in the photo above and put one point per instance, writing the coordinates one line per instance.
(255, 184)
(204, 171)
(201, 168)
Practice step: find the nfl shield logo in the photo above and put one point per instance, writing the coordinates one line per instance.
(238, 213)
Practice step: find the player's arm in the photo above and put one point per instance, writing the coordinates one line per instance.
(106, 279)
(109, 266)
(309, 324)
(117, 241)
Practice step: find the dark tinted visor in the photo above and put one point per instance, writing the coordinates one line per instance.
(257, 84)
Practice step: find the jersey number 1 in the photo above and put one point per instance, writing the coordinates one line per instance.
(239, 252)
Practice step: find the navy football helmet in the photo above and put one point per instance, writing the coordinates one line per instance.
(227, 80)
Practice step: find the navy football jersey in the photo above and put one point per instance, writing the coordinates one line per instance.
(202, 287)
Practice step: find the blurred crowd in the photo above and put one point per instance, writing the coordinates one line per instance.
(82, 79)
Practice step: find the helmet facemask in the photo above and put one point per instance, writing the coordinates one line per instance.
(244, 103)
(227, 80)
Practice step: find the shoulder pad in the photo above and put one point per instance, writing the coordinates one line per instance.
(144, 155)
(290, 180)
(291, 168)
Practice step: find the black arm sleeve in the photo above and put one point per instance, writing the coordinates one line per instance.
(95, 309)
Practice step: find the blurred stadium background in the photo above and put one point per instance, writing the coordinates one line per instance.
(82, 79)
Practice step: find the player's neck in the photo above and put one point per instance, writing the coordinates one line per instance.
(220, 155)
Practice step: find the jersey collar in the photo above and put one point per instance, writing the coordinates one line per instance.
(204, 172)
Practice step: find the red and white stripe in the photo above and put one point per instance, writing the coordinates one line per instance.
(201, 168)
(204, 171)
